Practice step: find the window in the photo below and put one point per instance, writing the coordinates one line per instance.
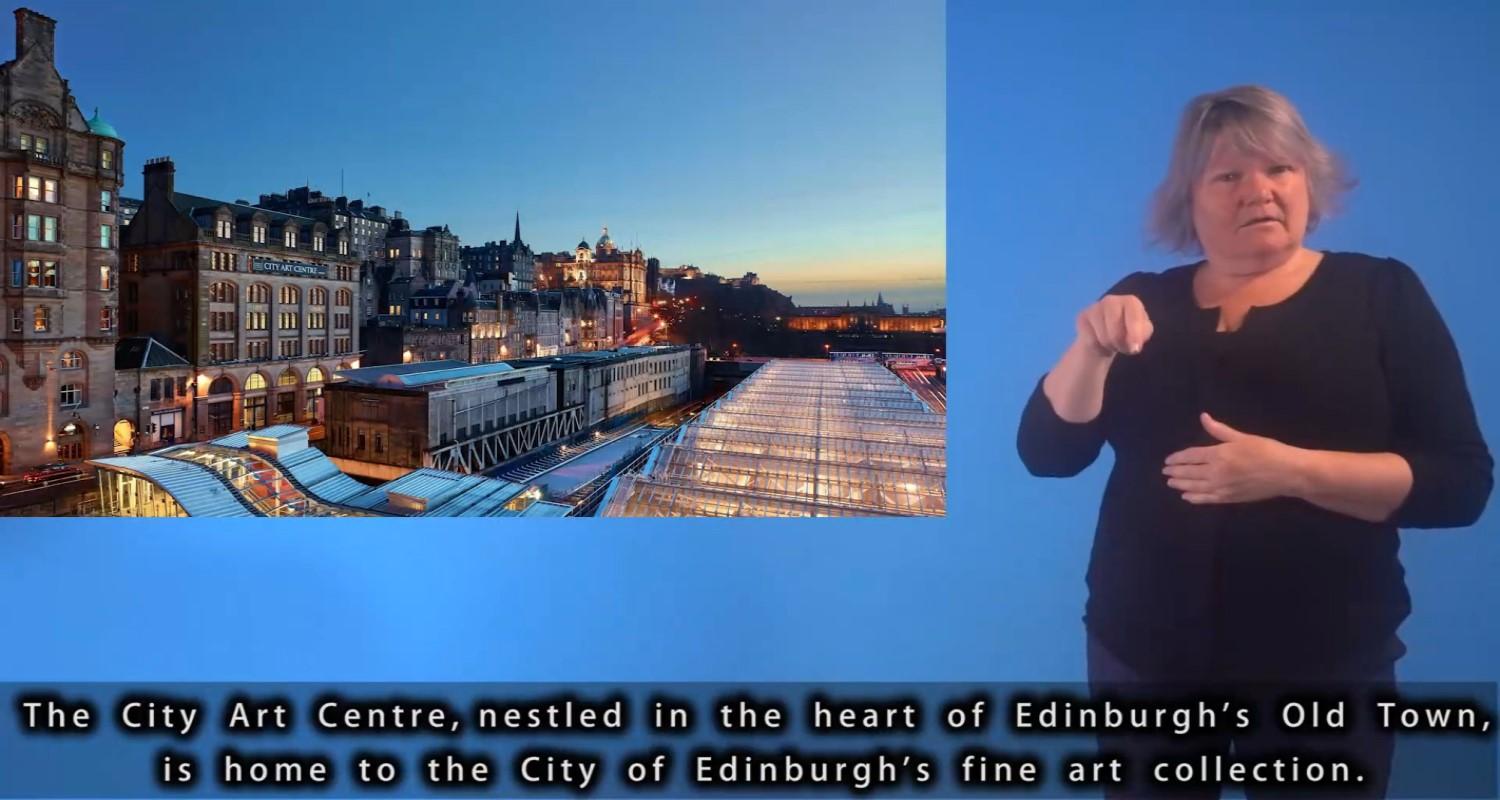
(291, 348)
(317, 243)
(287, 378)
(17, 273)
(70, 394)
(106, 278)
(221, 292)
(17, 320)
(289, 237)
(25, 141)
(224, 229)
(43, 189)
(258, 234)
(106, 318)
(344, 297)
(255, 320)
(290, 296)
(255, 381)
(220, 352)
(288, 321)
(104, 236)
(41, 274)
(36, 144)
(257, 350)
(41, 319)
(106, 158)
(106, 201)
(314, 375)
(343, 247)
(317, 296)
(317, 320)
(258, 293)
(156, 388)
(71, 360)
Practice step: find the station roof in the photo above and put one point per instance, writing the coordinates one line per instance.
(272, 472)
(423, 375)
(798, 438)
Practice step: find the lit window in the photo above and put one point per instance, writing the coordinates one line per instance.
(289, 238)
(106, 278)
(107, 158)
(41, 319)
(71, 360)
(104, 236)
(317, 244)
(106, 201)
(255, 381)
(106, 318)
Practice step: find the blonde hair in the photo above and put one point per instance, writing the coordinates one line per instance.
(1257, 120)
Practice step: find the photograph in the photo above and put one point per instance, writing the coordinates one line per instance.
(365, 300)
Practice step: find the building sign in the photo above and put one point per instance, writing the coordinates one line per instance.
(295, 269)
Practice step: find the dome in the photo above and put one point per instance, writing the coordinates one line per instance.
(99, 127)
(604, 241)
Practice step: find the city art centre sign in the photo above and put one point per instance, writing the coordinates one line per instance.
(295, 269)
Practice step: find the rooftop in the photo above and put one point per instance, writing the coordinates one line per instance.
(805, 438)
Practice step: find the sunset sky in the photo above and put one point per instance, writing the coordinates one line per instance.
(804, 142)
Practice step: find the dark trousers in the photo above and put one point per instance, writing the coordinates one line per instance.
(1363, 742)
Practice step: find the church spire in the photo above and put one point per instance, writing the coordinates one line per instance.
(517, 241)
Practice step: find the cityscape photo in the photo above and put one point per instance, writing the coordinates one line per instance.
(654, 259)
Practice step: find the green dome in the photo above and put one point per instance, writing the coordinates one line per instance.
(102, 128)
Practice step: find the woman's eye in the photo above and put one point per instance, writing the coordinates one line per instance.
(1280, 168)
(1228, 176)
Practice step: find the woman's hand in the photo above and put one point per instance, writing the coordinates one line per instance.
(1117, 324)
(1242, 468)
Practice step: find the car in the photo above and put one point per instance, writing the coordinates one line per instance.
(52, 473)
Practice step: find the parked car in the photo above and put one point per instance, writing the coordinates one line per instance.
(53, 473)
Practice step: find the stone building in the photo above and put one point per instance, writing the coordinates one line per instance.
(425, 257)
(502, 266)
(604, 265)
(367, 226)
(260, 302)
(61, 192)
(153, 395)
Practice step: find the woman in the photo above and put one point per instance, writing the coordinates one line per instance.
(1276, 414)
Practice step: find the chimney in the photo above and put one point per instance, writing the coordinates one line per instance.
(160, 177)
(34, 31)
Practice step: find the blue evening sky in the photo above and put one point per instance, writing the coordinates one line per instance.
(802, 141)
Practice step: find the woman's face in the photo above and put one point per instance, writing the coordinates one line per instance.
(1249, 206)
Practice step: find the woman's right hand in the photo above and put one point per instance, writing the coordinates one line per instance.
(1117, 324)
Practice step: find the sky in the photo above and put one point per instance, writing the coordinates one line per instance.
(738, 137)
(1061, 119)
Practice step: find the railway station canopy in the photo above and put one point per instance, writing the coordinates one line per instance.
(800, 438)
(273, 472)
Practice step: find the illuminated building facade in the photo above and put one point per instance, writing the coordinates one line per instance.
(261, 303)
(60, 255)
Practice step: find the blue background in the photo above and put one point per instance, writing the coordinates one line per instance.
(1059, 124)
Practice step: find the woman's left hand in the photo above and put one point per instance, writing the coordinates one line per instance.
(1243, 468)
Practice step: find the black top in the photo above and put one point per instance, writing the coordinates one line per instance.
(1358, 360)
